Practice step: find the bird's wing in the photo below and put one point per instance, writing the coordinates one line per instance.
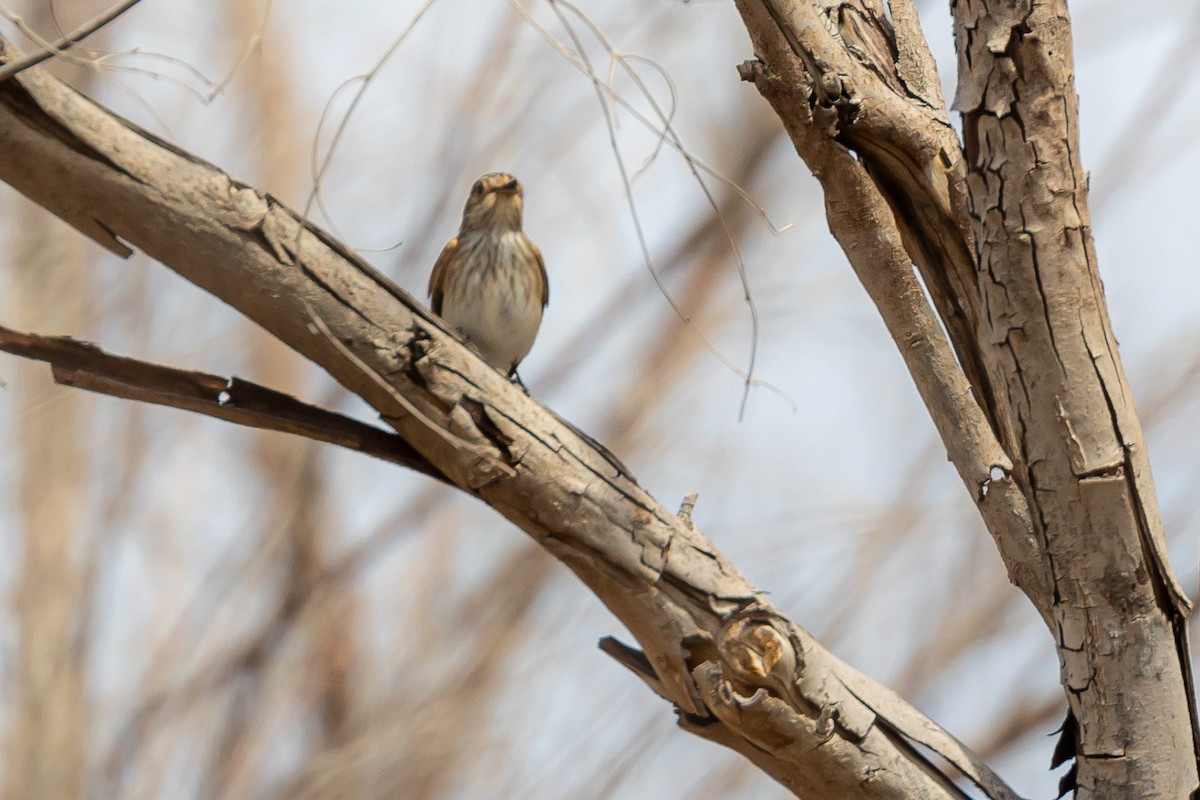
(437, 280)
(542, 277)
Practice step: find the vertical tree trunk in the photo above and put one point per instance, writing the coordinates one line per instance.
(998, 226)
(1064, 405)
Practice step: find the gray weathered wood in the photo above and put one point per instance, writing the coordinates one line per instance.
(998, 227)
(1119, 614)
(737, 670)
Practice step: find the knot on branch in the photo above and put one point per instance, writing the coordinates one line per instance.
(758, 653)
(833, 101)
(417, 344)
(756, 688)
(763, 655)
(751, 70)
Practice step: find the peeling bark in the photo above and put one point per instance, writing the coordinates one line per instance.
(738, 672)
(1119, 612)
(998, 227)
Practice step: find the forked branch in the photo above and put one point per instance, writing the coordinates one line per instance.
(85, 366)
(738, 671)
(998, 227)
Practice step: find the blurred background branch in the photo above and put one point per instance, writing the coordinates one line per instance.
(59, 47)
(178, 551)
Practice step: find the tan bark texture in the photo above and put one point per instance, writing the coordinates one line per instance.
(1036, 414)
(1118, 613)
(977, 252)
(737, 671)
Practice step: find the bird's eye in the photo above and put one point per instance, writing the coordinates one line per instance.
(477, 190)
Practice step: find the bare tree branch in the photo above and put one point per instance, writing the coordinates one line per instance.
(1119, 613)
(51, 49)
(864, 225)
(738, 671)
(998, 226)
(86, 366)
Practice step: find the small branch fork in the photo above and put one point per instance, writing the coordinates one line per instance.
(736, 669)
(51, 49)
(1008, 339)
(861, 218)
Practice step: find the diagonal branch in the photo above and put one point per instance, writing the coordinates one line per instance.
(736, 669)
(86, 366)
(880, 98)
(51, 49)
(862, 221)
(998, 226)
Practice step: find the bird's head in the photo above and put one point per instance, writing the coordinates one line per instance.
(495, 202)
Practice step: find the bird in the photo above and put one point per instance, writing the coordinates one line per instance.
(490, 283)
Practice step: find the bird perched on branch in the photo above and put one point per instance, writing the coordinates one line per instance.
(490, 282)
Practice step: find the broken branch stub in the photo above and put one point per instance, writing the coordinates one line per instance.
(660, 575)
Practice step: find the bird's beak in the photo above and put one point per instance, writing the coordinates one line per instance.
(510, 187)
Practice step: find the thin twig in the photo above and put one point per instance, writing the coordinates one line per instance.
(669, 132)
(644, 121)
(51, 49)
(254, 43)
(610, 123)
(85, 366)
(318, 170)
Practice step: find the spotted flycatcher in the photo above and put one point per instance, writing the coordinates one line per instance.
(490, 282)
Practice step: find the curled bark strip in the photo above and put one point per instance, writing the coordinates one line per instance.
(698, 620)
